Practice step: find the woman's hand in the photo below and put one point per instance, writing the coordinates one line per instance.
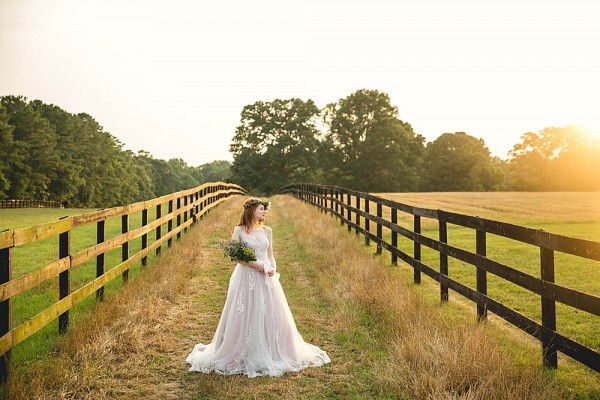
(259, 266)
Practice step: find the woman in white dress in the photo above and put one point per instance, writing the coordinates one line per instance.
(256, 334)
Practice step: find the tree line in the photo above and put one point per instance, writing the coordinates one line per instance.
(47, 153)
(360, 142)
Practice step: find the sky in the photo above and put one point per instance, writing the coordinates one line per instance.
(172, 77)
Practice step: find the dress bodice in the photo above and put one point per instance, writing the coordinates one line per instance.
(258, 242)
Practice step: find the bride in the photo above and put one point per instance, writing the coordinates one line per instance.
(257, 334)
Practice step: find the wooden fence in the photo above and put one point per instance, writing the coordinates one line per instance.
(31, 204)
(182, 209)
(339, 202)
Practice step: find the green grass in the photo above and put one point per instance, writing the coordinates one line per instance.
(358, 342)
(569, 214)
(575, 215)
(35, 255)
(353, 329)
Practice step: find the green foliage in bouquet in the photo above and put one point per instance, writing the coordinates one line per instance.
(238, 251)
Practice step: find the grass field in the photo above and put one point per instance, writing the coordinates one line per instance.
(569, 214)
(35, 255)
(384, 340)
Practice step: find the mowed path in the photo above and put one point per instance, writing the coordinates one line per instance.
(205, 296)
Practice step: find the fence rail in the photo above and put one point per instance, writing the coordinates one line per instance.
(11, 203)
(182, 210)
(338, 202)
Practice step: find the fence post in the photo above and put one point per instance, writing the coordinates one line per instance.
(334, 204)
(379, 230)
(367, 222)
(357, 216)
(5, 312)
(338, 207)
(209, 197)
(125, 247)
(394, 236)
(201, 205)
(443, 234)
(64, 278)
(417, 248)
(158, 228)
(548, 310)
(320, 194)
(185, 213)
(191, 202)
(100, 237)
(331, 206)
(348, 212)
(197, 206)
(179, 216)
(481, 275)
(170, 223)
(145, 235)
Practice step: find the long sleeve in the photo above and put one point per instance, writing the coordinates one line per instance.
(273, 266)
(270, 250)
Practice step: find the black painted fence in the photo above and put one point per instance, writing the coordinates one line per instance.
(11, 203)
(344, 204)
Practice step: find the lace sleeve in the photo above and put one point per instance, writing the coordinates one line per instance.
(270, 249)
(237, 232)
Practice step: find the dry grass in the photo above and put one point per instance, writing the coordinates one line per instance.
(385, 341)
(127, 348)
(429, 356)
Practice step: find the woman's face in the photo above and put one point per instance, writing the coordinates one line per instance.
(260, 212)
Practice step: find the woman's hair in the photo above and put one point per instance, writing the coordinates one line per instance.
(248, 219)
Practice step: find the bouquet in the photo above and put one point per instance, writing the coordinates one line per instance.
(238, 251)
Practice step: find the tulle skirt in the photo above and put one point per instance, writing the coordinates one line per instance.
(256, 334)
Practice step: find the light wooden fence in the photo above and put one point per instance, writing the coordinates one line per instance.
(177, 211)
(347, 204)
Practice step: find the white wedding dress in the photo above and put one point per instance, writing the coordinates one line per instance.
(256, 334)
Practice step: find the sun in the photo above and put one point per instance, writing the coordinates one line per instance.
(589, 130)
(593, 130)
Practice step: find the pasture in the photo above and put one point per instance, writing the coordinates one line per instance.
(384, 340)
(575, 214)
(570, 214)
(32, 256)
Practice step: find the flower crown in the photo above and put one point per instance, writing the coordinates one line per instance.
(255, 202)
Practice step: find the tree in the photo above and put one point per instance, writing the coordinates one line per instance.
(528, 166)
(566, 158)
(368, 146)
(6, 151)
(63, 186)
(144, 173)
(215, 171)
(275, 143)
(34, 160)
(459, 162)
(184, 176)
(48, 153)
